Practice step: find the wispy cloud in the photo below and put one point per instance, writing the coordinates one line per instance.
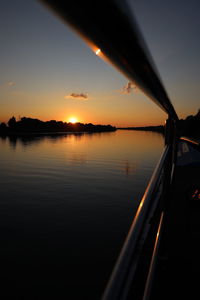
(128, 88)
(10, 83)
(8, 86)
(79, 96)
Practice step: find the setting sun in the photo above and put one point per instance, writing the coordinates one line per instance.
(73, 120)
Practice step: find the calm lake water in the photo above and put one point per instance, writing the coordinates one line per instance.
(67, 203)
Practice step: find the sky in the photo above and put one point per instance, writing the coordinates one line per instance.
(48, 72)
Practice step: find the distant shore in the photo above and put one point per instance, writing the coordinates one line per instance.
(159, 128)
(29, 126)
(190, 127)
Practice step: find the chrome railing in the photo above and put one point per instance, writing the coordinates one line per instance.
(120, 42)
(190, 141)
(122, 278)
(150, 277)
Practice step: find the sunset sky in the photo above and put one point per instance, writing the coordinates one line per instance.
(48, 72)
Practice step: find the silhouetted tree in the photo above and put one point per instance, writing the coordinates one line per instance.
(29, 125)
(12, 123)
(3, 126)
(190, 126)
(198, 115)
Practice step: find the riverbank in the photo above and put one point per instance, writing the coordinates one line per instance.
(35, 126)
(159, 128)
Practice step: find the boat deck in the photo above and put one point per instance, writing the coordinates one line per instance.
(178, 268)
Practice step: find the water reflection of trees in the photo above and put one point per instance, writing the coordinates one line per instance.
(128, 168)
(33, 139)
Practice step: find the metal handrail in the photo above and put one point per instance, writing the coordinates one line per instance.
(152, 268)
(118, 41)
(190, 140)
(115, 285)
(121, 43)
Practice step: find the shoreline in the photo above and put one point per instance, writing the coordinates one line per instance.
(159, 129)
(60, 133)
(57, 133)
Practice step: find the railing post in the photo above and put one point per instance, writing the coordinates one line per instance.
(168, 170)
(169, 131)
(171, 141)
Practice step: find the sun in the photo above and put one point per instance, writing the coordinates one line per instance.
(73, 120)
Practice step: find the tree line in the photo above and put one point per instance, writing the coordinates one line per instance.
(30, 125)
(190, 126)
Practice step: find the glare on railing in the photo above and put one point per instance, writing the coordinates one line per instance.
(98, 51)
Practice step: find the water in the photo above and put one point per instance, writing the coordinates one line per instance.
(67, 203)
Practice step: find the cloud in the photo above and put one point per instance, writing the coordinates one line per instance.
(79, 96)
(128, 88)
(7, 85)
(11, 83)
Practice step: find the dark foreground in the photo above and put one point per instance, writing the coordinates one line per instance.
(178, 270)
